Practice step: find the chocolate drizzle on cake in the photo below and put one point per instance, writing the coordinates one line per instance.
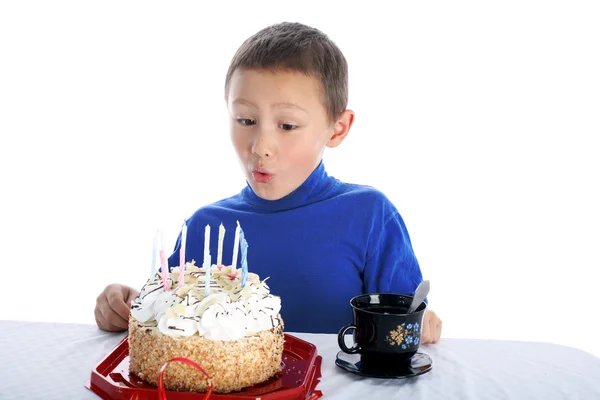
(241, 309)
(152, 291)
(175, 328)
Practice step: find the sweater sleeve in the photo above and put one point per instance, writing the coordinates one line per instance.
(391, 265)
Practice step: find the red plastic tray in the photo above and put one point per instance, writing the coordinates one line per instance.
(110, 379)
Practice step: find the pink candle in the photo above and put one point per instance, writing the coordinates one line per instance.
(163, 262)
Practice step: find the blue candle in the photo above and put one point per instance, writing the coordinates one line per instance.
(244, 248)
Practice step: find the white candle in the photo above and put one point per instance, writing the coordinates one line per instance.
(236, 246)
(182, 254)
(154, 251)
(207, 260)
(220, 248)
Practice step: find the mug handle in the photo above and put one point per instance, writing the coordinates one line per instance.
(342, 344)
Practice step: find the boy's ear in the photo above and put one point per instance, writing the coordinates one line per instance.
(341, 128)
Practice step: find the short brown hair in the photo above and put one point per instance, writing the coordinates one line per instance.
(297, 47)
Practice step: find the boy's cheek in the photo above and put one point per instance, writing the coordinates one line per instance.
(240, 141)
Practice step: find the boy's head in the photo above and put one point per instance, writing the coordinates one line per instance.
(299, 48)
(286, 91)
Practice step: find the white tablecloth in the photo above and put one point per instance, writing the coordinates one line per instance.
(53, 361)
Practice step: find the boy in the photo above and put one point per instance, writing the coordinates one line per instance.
(320, 241)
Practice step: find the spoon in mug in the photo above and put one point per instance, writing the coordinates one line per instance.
(420, 294)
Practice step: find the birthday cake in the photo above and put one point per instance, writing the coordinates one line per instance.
(222, 318)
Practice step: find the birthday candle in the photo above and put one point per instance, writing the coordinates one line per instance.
(154, 251)
(163, 261)
(236, 246)
(207, 260)
(244, 246)
(220, 248)
(182, 254)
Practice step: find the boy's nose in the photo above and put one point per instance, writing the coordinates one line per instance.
(263, 147)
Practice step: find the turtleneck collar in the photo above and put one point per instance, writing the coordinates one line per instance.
(310, 191)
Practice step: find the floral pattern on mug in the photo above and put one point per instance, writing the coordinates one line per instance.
(404, 336)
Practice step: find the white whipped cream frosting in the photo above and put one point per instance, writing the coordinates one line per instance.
(229, 312)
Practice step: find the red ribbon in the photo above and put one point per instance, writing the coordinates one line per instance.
(162, 395)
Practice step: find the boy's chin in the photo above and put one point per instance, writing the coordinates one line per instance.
(268, 193)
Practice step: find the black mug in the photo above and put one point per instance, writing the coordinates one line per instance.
(384, 335)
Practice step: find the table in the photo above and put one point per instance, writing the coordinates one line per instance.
(53, 361)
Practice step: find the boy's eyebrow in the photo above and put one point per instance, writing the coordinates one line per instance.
(243, 102)
(284, 104)
(289, 105)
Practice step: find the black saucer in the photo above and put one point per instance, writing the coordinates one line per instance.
(419, 364)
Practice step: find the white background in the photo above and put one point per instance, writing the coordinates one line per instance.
(478, 121)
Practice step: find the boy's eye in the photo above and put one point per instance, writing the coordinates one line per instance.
(246, 121)
(288, 127)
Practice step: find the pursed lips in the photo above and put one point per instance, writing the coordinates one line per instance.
(261, 176)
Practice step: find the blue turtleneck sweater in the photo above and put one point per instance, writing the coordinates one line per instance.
(321, 245)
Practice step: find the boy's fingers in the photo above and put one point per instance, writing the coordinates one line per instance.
(103, 324)
(111, 314)
(432, 328)
(438, 330)
(130, 296)
(116, 301)
(425, 335)
(112, 318)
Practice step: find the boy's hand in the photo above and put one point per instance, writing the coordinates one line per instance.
(432, 328)
(112, 307)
